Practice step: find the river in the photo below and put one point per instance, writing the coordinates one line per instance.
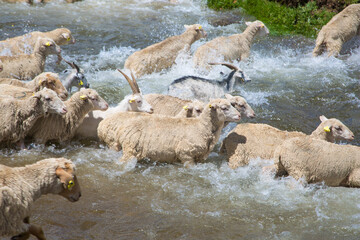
(289, 90)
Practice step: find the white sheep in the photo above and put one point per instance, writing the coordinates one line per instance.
(174, 106)
(63, 128)
(21, 186)
(248, 141)
(74, 77)
(162, 55)
(47, 79)
(167, 139)
(134, 102)
(25, 44)
(203, 89)
(340, 29)
(17, 117)
(26, 67)
(234, 47)
(315, 160)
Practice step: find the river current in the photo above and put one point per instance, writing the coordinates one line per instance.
(289, 90)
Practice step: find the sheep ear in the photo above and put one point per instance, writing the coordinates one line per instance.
(63, 175)
(248, 23)
(323, 118)
(83, 97)
(66, 36)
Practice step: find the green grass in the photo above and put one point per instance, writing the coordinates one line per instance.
(281, 20)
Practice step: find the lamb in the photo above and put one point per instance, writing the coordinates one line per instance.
(162, 55)
(25, 44)
(63, 128)
(47, 79)
(340, 29)
(134, 102)
(315, 160)
(21, 186)
(248, 141)
(234, 47)
(167, 139)
(26, 67)
(19, 116)
(191, 87)
(74, 78)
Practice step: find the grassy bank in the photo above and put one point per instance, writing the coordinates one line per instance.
(305, 20)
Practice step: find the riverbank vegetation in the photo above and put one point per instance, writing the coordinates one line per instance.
(283, 17)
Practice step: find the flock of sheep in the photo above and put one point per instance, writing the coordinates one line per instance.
(183, 126)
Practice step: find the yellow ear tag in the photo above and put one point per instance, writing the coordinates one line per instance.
(83, 97)
(131, 100)
(81, 83)
(68, 39)
(210, 106)
(199, 27)
(185, 108)
(327, 129)
(70, 184)
(48, 44)
(40, 82)
(262, 25)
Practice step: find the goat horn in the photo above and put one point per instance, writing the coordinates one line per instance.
(133, 88)
(134, 81)
(77, 67)
(71, 64)
(226, 65)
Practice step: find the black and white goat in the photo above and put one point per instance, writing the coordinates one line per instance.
(203, 89)
(74, 77)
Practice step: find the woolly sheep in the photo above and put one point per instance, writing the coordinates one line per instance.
(26, 67)
(340, 29)
(47, 79)
(63, 128)
(21, 186)
(162, 55)
(167, 139)
(203, 89)
(134, 102)
(25, 44)
(248, 141)
(173, 106)
(19, 116)
(315, 160)
(234, 47)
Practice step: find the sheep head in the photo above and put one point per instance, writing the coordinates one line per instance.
(64, 37)
(198, 30)
(70, 185)
(240, 104)
(224, 110)
(335, 129)
(92, 97)
(262, 30)
(237, 75)
(51, 81)
(50, 102)
(47, 46)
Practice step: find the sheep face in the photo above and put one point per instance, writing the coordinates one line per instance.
(241, 77)
(92, 96)
(200, 32)
(138, 103)
(65, 37)
(262, 30)
(48, 46)
(240, 104)
(52, 81)
(336, 129)
(225, 111)
(70, 188)
(51, 103)
(194, 109)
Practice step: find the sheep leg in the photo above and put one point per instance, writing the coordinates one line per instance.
(334, 48)
(186, 160)
(21, 236)
(37, 232)
(354, 178)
